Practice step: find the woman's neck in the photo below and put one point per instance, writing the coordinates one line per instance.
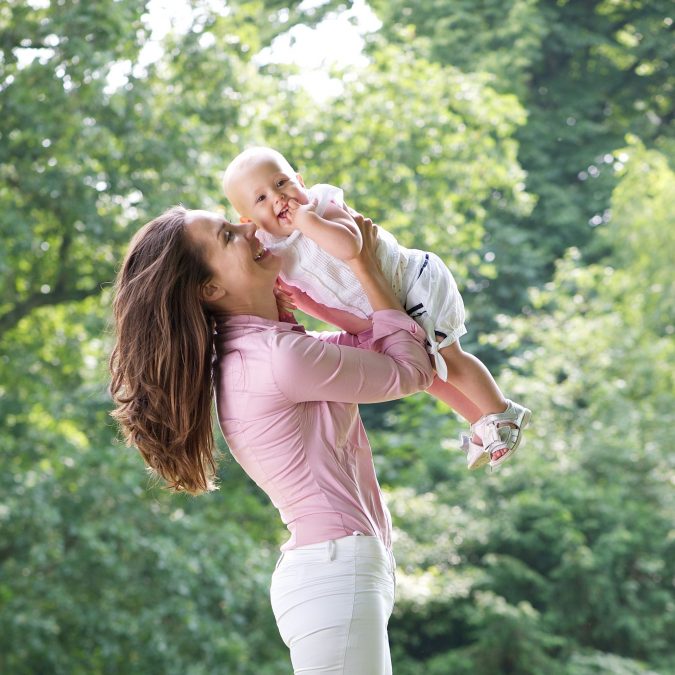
(264, 307)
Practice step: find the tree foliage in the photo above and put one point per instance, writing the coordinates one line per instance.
(472, 131)
(586, 72)
(563, 561)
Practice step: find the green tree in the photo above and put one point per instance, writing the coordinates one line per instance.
(82, 160)
(562, 561)
(586, 73)
(424, 149)
(101, 572)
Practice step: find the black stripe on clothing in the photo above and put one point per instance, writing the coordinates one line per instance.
(424, 264)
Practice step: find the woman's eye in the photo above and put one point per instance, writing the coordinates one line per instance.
(230, 236)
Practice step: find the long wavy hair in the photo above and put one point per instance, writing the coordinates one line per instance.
(162, 361)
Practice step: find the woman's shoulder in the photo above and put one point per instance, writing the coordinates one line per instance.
(255, 337)
(258, 362)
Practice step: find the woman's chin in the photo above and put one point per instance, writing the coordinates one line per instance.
(263, 256)
(269, 261)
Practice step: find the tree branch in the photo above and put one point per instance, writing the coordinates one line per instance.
(62, 274)
(21, 309)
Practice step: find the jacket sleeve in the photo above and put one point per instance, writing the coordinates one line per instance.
(386, 362)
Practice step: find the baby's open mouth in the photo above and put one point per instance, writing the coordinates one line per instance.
(283, 213)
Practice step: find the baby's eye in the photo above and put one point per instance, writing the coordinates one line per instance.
(259, 198)
(281, 182)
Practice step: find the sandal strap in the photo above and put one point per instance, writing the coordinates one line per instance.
(503, 427)
(475, 453)
(514, 413)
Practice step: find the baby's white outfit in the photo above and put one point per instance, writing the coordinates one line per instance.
(421, 281)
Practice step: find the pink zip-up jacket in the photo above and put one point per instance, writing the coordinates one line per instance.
(287, 406)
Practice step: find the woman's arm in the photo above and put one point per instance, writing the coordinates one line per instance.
(394, 364)
(367, 270)
(307, 369)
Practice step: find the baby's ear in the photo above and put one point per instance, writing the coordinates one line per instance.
(299, 177)
(244, 219)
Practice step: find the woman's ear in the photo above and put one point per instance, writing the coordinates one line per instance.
(244, 219)
(211, 292)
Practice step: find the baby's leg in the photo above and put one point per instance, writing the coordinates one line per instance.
(473, 379)
(450, 395)
(455, 398)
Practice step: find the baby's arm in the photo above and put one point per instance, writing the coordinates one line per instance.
(336, 232)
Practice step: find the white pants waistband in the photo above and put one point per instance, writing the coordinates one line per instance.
(337, 549)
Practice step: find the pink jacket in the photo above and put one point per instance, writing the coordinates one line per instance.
(286, 405)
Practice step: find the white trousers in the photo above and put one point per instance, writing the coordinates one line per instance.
(332, 602)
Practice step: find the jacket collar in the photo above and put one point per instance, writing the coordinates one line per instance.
(226, 324)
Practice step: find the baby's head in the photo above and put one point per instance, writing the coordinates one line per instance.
(259, 183)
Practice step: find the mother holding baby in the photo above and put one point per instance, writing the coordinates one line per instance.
(197, 320)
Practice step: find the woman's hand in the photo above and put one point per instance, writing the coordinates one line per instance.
(366, 258)
(366, 268)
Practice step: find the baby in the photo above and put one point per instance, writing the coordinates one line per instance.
(314, 233)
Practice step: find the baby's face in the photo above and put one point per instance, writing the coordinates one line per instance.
(261, 190)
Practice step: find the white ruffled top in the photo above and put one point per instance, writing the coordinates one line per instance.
(325, 278)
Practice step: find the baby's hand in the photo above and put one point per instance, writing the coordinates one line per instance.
(298, 214)
(285, 303)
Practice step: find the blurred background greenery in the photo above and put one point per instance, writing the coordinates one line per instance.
(528, 142)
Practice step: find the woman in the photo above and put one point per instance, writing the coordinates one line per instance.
(196, 313)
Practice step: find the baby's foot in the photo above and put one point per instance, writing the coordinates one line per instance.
(476, 457)
(496, 437)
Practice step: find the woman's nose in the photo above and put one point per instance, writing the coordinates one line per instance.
(248, 229)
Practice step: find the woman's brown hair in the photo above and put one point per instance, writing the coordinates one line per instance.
(162, 361)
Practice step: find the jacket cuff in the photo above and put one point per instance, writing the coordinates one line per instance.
(387, 322)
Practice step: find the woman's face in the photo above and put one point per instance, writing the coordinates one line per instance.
(242, 267)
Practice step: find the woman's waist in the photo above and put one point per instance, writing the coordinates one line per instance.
(353, 545)
(313, 528)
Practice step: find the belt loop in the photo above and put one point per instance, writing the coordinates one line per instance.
(331, 550)
(281, 557)
(392, 561)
